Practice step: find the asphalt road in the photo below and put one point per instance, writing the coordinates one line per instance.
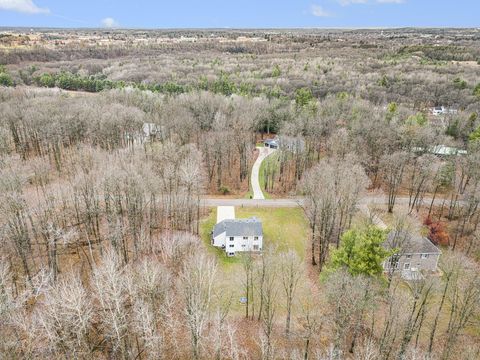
(207, 202)
(295, 202)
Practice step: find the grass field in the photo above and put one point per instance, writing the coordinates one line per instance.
(269, 163)
(285, 228)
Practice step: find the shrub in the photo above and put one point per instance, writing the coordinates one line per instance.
(276, 71)
(476, 91)
(475, 135)
(5, 79)
(303, 96)
(224, 190)
(437, 232)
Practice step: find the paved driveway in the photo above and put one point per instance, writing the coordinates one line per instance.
(257, 190)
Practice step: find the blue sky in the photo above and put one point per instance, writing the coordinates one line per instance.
(239, 13)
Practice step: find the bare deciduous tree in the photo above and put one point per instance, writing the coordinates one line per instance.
(393, 167)
(291, 270)
(197, 285)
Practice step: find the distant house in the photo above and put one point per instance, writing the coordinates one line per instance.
(441, 150)
(442, 110)
(437, 110)
(152, 131)
(271, 143)
(295, 144)
(290, 143)
(415, 255)
(238, 235)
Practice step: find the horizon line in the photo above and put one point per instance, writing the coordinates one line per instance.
(246, 28)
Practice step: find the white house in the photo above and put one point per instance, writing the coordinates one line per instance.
(152, 131)
(442, 110)
(238, 235)
(441, 150)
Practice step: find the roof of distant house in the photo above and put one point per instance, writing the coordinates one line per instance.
(410, 243)
(441, 150)
(239, 227)
(447, 150)
(271, 141)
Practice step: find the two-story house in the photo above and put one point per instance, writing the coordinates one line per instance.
(238, 235)
(413, 254)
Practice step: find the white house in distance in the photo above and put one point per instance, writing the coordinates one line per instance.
(236, 235)
(441, 150)
(442, 110)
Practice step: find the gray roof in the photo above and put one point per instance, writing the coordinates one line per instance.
(410, 243)
(271, 141)
(239, 227)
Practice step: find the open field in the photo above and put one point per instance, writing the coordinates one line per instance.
(284, 228)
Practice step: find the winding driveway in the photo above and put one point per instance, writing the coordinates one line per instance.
(259, 200)
(257, 190)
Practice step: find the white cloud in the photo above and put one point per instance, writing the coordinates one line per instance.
(350, 2)
(317, 10)
(24, 6)
(110, 23)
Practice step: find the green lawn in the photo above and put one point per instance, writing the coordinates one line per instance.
(285, 228)
(268, 164)
(206, 226)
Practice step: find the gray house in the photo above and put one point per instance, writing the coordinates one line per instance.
(415, 255)
(238, 235)
(271, 143)
(294, 144)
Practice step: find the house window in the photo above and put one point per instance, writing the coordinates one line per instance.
(406, 266)
(231, 245)
(393, 262)
(255, 238)
(243, 245)
(255, 247)
(408, 256)
(424, 256)
(245, 238)
(231, 254)
(231, 238)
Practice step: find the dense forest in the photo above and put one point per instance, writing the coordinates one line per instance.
(110, 142)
